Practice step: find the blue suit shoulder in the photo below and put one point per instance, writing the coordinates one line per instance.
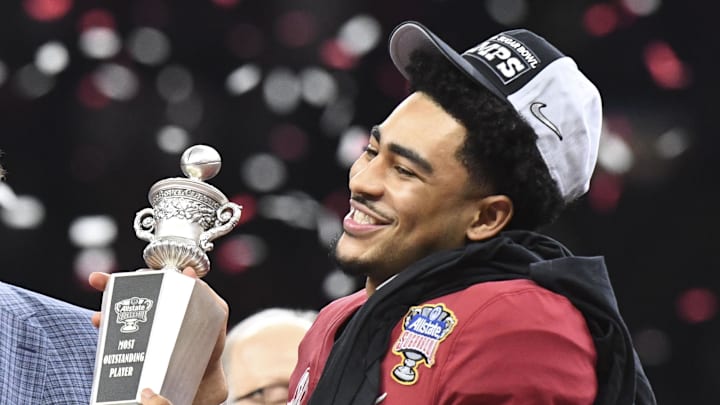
(47, 348)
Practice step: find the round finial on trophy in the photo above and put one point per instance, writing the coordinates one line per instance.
(200, 162)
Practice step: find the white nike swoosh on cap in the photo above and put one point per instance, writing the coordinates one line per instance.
(381, 398)
(535, 110)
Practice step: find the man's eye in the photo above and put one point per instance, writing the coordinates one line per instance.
(370, 151)
(404, 172)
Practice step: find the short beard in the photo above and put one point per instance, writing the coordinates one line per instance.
(349, 267)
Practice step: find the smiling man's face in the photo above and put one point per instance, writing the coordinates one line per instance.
(409, 192)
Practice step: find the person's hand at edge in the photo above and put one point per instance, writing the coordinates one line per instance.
(148, 397)
(213, 388)
(98, 281)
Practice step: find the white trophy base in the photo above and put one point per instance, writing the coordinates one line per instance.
(157, 331)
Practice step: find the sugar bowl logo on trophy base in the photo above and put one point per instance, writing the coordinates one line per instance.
(132, 311)
(170, 322)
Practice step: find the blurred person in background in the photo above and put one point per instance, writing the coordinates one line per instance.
(260, 354)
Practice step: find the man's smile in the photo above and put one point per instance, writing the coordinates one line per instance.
(362, 220)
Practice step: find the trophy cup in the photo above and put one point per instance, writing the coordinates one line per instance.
(158, 326)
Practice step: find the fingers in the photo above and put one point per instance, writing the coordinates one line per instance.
(189, 271)
(96, 319)
(149, 397)
(98, 280)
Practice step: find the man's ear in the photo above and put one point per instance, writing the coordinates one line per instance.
(493, 214)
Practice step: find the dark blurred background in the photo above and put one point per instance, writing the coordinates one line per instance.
(99, 99)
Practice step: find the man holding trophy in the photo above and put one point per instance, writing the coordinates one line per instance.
(464, 302)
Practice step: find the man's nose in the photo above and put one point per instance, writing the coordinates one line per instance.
(366, 178)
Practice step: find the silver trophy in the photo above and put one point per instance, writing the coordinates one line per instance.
(159, 327)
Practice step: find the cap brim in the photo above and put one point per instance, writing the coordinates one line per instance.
(411, 35)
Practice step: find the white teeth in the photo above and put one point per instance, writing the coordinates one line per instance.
(362, 218)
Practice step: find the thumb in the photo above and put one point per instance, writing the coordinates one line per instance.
(149, 397)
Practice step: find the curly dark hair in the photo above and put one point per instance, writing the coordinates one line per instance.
(499, 151)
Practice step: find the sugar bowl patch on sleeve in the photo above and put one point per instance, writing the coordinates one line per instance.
(424, 327)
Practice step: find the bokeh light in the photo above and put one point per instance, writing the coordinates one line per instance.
(263, 172)
(296, 28)
(174, 83)
(92, 260)
(296, 209)
(173, 139)
(641, 7)
(99, 43)
(243, 79)
(7, 195)
(237, 253)
(32, 83)
(672, 143)
(92, 231)
(697, 305)
(352, 144)
(318, 86)
(601, 19)
(334, 54)
(116, 81)
(615, 155)
(89, 95)
(666, 69)
(359, 35)
(507, 12)
(51, 58)
(47, 10)
(96, 18)
(282, 90)
(337, 116)
(654, 346)
(248, 204)
(149, 46)
(338, 284)
(605, 192)
(26, 212)
(288, 142)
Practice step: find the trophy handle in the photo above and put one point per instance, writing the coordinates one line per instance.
(144, 224)
(228, 215)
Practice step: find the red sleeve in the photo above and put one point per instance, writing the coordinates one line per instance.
(524, 347)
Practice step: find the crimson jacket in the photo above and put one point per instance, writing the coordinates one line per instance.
(498, 344)
(513, 320)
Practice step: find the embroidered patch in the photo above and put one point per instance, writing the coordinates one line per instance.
(423, 329)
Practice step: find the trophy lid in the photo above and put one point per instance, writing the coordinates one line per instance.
(198, 163)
